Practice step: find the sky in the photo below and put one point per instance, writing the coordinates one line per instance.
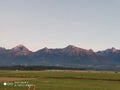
(89, 24)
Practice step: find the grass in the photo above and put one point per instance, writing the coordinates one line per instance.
(64, 80)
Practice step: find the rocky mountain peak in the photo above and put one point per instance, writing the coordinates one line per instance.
(2, 50)
(71, 46)
(114, 49)
(73, 50)
(109, 51)
(21, 50)
(45, 49)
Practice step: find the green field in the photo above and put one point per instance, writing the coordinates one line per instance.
(61, 80)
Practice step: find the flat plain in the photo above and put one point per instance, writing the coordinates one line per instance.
(60, 80)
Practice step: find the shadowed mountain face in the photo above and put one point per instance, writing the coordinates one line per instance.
(70, 56)
(112, 54)
(109, 51)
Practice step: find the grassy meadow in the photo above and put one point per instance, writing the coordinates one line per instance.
(60, 80)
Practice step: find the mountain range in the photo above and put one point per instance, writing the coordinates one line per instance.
(70, 56)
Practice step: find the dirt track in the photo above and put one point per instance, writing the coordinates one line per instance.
(3, 79)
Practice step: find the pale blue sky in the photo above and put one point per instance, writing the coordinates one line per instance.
(57, 23)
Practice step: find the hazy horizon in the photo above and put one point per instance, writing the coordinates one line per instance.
(88, 24)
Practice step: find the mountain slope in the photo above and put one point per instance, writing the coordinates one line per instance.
(21, 50)
(112, 54)
(70, 56)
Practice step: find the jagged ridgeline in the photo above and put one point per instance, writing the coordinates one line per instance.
(70, 56)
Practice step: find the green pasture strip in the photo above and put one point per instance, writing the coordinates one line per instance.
(62, 74)
(65, 80)
(69, 84)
